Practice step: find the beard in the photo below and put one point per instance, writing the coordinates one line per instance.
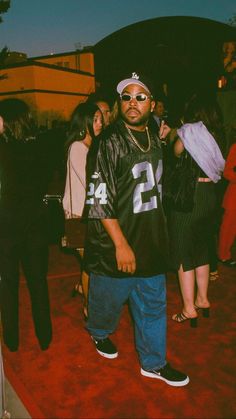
(135, 121)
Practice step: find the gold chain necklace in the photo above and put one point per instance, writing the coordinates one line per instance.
(136, 141)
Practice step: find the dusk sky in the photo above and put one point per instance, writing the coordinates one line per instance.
(53, 26)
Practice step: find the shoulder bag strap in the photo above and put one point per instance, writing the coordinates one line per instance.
(71, 210)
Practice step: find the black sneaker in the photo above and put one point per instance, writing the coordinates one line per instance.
(169, 375)
(106, 348)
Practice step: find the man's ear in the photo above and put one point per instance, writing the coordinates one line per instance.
(1, 125)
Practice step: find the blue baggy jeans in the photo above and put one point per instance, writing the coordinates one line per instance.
(147, 298)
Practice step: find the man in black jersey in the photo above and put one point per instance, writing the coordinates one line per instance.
(126, 250)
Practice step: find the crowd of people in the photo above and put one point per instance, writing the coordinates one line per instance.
(121, 160)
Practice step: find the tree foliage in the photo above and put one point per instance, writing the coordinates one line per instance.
(4, 6)
(232, 20)
(3, 55)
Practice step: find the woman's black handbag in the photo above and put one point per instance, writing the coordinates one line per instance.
(75, 233)
(179, 184)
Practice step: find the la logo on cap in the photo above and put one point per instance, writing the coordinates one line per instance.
(135, 76)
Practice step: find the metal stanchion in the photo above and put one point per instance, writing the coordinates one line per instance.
(4, 413)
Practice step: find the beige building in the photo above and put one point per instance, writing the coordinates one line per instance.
(53, 84)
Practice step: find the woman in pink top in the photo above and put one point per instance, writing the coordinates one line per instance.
(86, 123)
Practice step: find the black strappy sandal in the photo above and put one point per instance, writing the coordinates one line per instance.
(77, 290)
(205, 311)
(180, 318)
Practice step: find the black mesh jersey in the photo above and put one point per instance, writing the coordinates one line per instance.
(126, 185)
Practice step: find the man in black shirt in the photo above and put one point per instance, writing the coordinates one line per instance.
(126, 250)
(24, 175)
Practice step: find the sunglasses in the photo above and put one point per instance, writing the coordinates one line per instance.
(140, 97)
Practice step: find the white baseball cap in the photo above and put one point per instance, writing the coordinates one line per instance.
(134, 79)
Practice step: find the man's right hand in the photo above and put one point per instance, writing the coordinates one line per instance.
(125, 258)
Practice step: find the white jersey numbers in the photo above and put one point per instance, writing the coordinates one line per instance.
(140, 204)
(148, 185)
(100, 193)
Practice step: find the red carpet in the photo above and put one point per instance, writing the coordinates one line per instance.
(71, 380)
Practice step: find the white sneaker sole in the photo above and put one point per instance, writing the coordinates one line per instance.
(159, 377)
(109, 356)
